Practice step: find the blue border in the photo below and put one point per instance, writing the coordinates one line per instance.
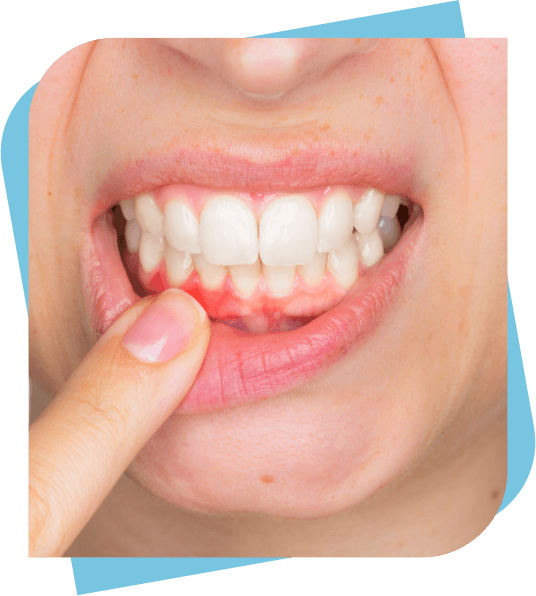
(101, 574)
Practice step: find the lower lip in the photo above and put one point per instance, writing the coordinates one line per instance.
(243, 368)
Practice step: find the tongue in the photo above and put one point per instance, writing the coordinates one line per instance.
(266, 322)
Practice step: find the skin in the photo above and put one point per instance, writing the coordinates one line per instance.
(400, 448)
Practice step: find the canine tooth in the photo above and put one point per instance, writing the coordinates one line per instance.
(149, 216)
(178, 266)
(133, 235)
(390, 206)
(245, 277)
(280, 280)
(389, 230)
(335, 222)
(288, 232)
(151, 251)
(211, 276)
(181, 227)
(314, 270)
(367, 211)
(127, 207)
(228, 232)
(370, 248)
(343, 264)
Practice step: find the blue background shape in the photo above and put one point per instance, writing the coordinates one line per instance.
(101, 574)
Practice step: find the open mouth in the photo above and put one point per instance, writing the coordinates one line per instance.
(292, 281)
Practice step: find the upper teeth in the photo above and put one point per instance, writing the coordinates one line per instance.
(289, 237)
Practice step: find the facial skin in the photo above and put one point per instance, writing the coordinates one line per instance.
(411, 419)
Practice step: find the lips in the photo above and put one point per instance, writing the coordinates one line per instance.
(241, 367)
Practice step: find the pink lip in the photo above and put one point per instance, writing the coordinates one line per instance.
(241, 368)
(269, 171)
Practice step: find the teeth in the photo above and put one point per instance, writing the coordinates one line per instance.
(178, 266)
(343, 264)
(289, 238)
(335, 223)
(181, 227)
(127, 207)
(280, 280)
(314, 270)
(148, 215)
(133, 235)
(370, 248)
(288, 232)
(228, 232)
(390, 206)
(211, 276)
(245, 277)
(367, 211)
(389, 230)
(151, 251)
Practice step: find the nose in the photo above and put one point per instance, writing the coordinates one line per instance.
(270, 67)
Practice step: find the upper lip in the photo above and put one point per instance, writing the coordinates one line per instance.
(249, 168)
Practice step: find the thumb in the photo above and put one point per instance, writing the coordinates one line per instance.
(127, 386)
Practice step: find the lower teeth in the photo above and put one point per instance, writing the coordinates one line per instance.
(390, 230)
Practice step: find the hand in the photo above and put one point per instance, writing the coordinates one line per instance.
(126, 387)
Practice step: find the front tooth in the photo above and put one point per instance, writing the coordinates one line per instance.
(288, 232)
(335, 222)
(343, 264)
(280, 280)
(127, 207)
(181, 227)
(370, 248)
(367, 211)
(178, 266)
(151, 251)
(245, 277)
(211, 276)
(228, 232)
(390, 206)
(148, 214)
(314, 270)
(133, 235)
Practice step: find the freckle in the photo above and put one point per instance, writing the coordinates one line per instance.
(325, 127)
(494, 494)
(392, 80)
(400, 544)
(267, 479)
(379, 101)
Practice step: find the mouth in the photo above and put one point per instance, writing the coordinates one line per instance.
(293, 279)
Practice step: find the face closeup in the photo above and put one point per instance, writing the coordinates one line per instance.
(339, 209)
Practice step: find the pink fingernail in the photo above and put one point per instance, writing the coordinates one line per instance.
(165, 328)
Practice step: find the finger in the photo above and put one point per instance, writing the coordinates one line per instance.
(130, 382)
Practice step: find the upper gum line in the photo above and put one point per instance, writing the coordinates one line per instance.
(196, 198)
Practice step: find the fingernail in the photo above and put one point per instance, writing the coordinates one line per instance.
(165, 328)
